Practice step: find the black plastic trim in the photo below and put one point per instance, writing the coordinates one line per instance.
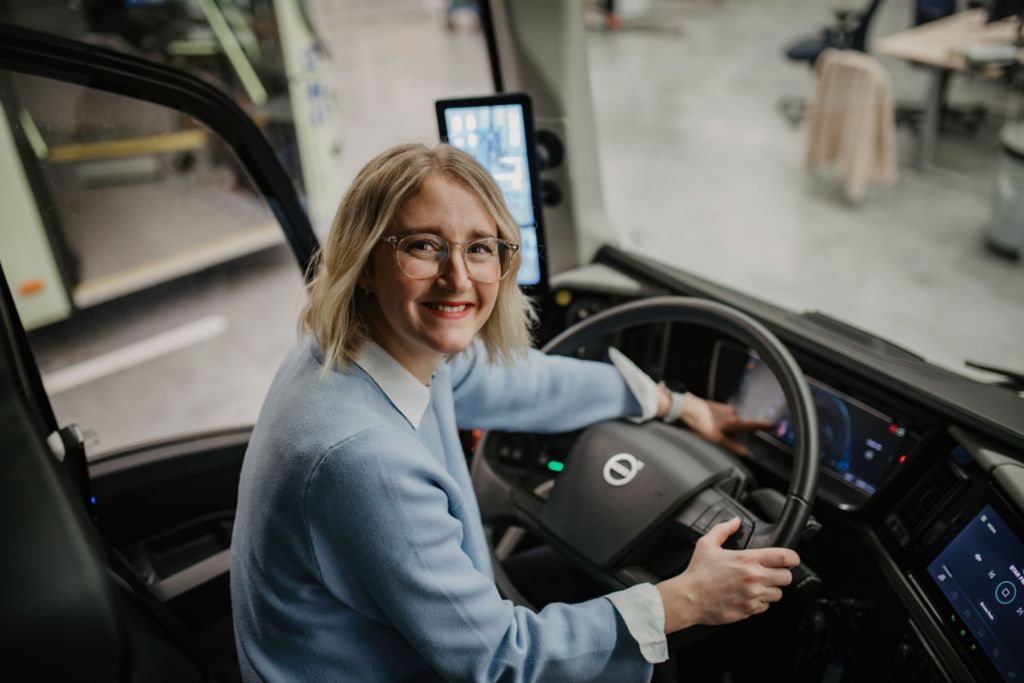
(920, 613)
(49, 545)
(487, 24)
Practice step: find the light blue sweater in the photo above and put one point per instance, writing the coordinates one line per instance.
(358, 552)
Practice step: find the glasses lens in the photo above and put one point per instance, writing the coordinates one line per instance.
(420, 256)
(487, 260)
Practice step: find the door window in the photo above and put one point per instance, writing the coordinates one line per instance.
(132, 240)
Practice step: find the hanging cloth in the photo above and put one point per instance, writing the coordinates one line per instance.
(852, 121)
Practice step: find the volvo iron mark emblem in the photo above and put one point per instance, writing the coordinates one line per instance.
(621, 469)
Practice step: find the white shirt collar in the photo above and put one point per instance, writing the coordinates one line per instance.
(400, 386)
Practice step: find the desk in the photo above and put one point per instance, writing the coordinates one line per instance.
(940, 46)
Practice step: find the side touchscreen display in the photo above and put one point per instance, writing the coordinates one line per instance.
(496, 136)
(980, 573)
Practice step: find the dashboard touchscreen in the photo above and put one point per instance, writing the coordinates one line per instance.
(980, 573)
(858, 443)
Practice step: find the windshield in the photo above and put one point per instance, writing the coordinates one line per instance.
(704, 128)
(704, 125)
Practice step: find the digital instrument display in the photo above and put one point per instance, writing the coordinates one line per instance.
(498, 132)
(981, 573)
(859, 444)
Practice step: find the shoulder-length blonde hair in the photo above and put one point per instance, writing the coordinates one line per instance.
(334, 312)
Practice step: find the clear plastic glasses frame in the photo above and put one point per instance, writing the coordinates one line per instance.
(423, 256)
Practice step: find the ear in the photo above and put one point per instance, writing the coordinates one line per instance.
(365, 281)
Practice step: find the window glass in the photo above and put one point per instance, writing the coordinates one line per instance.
(705, 125)
(134, 239)
(264, 55)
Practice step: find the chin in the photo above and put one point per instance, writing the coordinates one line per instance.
(451, 347)
(451, 343)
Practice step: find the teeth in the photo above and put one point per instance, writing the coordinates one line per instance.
(448, 309)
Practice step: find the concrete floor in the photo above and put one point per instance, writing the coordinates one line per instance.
(699, 170)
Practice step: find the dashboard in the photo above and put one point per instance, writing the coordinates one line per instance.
(921, 492)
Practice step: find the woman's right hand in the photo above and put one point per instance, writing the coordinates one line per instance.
(721, 586)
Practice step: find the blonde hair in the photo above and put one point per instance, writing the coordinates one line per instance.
(334, 311)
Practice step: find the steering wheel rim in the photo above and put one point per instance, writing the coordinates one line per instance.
(497, 495)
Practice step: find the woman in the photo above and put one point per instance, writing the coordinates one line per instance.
(358, 550)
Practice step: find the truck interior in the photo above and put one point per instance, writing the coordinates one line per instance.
(900, 483)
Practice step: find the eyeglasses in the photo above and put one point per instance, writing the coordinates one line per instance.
(423, 256)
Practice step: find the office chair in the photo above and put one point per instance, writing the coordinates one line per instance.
(850, 32)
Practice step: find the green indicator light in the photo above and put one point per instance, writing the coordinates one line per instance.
(556, 466)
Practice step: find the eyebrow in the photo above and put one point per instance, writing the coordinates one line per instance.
(432, 230)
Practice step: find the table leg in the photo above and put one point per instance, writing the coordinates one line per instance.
(932, 120)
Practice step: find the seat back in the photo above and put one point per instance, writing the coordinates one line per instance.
(860, 33)
(850, 32)
(69, 612)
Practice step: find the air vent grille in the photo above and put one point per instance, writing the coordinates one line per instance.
(929, 496)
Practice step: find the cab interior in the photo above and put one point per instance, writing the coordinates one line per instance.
(116, 566)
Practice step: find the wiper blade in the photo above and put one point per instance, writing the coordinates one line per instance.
(1012, 379)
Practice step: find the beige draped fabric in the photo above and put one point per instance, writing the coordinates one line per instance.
(852, 121)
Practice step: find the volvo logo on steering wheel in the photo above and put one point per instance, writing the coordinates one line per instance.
(621, 469)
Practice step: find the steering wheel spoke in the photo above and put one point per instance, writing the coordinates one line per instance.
(712, 507)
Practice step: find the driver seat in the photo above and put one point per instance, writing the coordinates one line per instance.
(73, 608)
(78, 610)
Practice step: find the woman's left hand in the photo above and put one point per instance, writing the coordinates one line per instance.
(718, 422)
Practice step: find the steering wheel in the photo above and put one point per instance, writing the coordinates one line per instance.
(631, 494)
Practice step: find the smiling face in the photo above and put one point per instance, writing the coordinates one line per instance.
(418, 321)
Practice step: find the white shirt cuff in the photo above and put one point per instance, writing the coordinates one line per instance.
(644, 389)
(644, 615)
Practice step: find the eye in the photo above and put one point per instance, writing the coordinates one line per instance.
(483, 248)
(423, 245)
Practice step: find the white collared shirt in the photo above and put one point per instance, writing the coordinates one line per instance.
(409, 395)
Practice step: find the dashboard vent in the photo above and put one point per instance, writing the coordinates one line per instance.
(926, 500)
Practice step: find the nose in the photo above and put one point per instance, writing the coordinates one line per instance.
(454, 275)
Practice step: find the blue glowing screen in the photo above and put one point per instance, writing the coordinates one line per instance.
(980, 573)
(495, 136)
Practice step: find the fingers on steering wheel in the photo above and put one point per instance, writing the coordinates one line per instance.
(776, 557)
(778, 577)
